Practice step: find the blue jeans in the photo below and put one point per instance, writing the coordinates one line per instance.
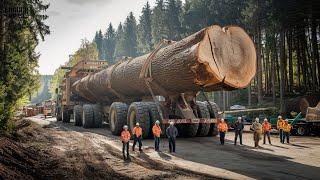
(281, 134)
(156, 143)
(222, 135)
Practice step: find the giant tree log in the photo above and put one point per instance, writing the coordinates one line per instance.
(214, 58)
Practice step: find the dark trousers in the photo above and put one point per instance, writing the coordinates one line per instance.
(286, 135)
(266, 133)
(135, 140)
(222, 135)
(281, 134)
(238, 133)
(156, 143)
(172, 144)
(125, 149)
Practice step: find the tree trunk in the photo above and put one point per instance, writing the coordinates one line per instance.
(214, 58)
(282, 71)
(315, 51)
(259, 65)
(289, 41)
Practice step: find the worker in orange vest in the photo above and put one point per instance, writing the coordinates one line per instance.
(137, 136)
(222, 128)
(125, 138)
(266, 127)
(286, 131)
(280, 124)
(156, 130)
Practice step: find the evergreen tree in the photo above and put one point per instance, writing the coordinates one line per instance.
(158, 24)
(173, 21)
(130, 36)
(98, 39)
(109, 44)
(144, 31)
(119, 48)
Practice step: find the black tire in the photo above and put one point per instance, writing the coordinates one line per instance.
(87, 116)
(98, 115)
(65, 115)
(154, 116)
(213, 114)
(59, 114)
(139, 112)
(203, 112)
(77, 114)
(117, 117)
(302, 130)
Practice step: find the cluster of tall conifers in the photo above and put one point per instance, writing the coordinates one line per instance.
(286, 35)
(21, 26)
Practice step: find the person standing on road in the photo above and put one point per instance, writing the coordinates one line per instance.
(286, 131)
(156, 130)
(238, 129)
(280, 124)
(257, 131)
(172, 133)
(125, 138)
(266, 127)
(137, 136)
(222, 128)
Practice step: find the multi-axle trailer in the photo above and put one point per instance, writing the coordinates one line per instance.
(162, 85)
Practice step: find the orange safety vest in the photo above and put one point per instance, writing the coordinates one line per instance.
(125, 136)
(223, 127)
(280, 124)
(286, 127)
(266, 126)
(156, 130)
(137, 131)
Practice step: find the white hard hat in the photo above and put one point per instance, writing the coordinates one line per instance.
(286, 120)
(279, 117)
(137, 124)
(157, 122)
(257, 119)
(125, 127)
(265, 119)
(171, 123)
(239, 118)
(222, 120)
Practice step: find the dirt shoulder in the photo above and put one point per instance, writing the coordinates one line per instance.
(53, 152)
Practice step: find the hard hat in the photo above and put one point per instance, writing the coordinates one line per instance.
(279, 117)
(239, 118)
(257, 119)
(157, 122)
(137, 124)
(286, 120)
(125, 127)
(171, 123)
(265, 119)
(222, 120)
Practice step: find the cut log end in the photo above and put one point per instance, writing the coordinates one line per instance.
(229, 55)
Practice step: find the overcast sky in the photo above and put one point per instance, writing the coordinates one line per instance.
(72, 20)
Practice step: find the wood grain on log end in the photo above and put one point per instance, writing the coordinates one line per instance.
(229, 55)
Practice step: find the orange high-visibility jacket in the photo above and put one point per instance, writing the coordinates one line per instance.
(222, 127)
(156, 130)
(125, 136)
(137, 131)
(280, 124)
(286, 127)
(266, 126)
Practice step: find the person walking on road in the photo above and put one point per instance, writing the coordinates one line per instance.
(156, 130)
(172, 133)
(257, 131)
(286, 131)
(222, 128)
(280, 124)
(238, 129)
(266, 127)
(137, 136)
(125, 138)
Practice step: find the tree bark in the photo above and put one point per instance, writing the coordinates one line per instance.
(282, 71)
(214, 58)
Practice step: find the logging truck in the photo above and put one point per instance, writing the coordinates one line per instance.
(162, 85)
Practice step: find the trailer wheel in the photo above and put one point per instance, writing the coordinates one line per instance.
(213, 114)
(65, 115)
(77, 113)
(302, 130)
(203, 112)
(98, 115)
(59, 114)
(117, 117)
(139, 112)
(154, 115)
(87, 116)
